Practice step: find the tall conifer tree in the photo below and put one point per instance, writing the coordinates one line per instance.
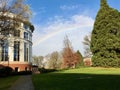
(105, 41)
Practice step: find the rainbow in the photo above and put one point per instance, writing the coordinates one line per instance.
(51, 34)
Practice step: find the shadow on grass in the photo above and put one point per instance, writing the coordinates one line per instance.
(74, 81)
(7, 82)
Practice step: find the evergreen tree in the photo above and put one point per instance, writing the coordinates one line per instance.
(81, 63)
(105, 41)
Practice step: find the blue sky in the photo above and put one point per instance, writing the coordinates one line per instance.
(53, 19)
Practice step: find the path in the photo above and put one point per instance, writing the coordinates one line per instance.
(23, 83)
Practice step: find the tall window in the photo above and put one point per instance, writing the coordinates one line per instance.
(26, 27)
(30, 36)
(29, 53)
(16, 50)
(17, 33)
(25, 35)
(25, 52)
(5, 52)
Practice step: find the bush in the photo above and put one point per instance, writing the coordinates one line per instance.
(22, 73)
(6, 71)
(43, 70)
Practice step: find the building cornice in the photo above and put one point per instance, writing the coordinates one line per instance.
(17, 18)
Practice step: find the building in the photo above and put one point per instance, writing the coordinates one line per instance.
(16, 50)
(87, 62)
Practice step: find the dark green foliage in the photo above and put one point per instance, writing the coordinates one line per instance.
(80, 55)
(6, 71)
(22, 73)
(81, 63)
(43, 70)
(105, 41)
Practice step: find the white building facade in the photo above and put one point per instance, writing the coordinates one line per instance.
(17, 49)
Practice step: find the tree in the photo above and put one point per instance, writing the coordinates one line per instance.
(70, 58)
(35, 60)
(80, 58)
(86, 42)
(105, 41)
(38, 60)
(12, 13)
(52, 63)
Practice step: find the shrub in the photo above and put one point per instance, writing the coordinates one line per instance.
(43, 70)
(6, 71)
(22, 73)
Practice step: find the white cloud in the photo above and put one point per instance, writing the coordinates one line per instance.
(38, 12)
(71, 7)
(50, 37)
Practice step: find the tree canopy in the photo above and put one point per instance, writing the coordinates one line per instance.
(12, 13)
(70, 58)
(105, 41)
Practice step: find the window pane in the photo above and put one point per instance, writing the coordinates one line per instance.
(16, 50)
(5, 52)
(25, 35)
(17, 33)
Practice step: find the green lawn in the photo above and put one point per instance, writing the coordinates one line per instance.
(7, 82)
(79, 79)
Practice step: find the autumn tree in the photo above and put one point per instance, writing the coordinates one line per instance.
(70, 58)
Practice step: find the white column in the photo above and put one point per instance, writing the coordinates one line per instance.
(0, 53)
(11, 52)
(29, 53)
(21, 51)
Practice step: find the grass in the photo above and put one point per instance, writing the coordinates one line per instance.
(7, 82)
(79, 79)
